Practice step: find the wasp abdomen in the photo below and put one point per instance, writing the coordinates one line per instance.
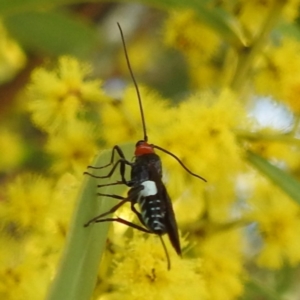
(152, 211)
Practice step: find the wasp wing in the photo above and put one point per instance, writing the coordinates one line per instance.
(169, 217)
(170, 222)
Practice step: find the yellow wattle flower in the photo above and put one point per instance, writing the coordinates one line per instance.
(55, 98)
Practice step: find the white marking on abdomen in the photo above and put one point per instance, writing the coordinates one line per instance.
(155, 208)
(157, 225)
(150, 188)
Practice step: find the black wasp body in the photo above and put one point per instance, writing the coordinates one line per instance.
(146, 188)
(157, 213)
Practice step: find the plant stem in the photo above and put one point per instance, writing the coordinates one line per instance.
(248, 54)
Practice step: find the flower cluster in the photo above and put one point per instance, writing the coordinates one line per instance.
(143, 265)
(235, 226)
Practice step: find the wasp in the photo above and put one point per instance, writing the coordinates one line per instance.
(146, 188)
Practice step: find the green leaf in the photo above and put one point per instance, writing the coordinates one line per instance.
(52, 32)
(224, 23)
(77, 274)
(218, 19)
(258, 289)
(289, 29)
(21, 6)
(283, 180)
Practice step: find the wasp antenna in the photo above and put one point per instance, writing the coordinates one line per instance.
(135, 84)
(180, 162)
(166, 252)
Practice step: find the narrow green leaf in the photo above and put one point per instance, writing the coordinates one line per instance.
(77, 274)
(52, 32)
(283, 180)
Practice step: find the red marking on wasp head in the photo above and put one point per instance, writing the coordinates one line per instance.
(142, 147)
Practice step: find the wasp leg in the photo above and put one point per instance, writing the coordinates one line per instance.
(125, 222)
(112, 210)
(119, 151)
(116, 207)
(114, 183)
(112, 196)
(133, 194)
(122, 162)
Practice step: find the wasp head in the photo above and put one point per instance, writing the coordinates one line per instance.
(142, 147)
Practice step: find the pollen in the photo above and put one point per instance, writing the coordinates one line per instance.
(279, 226)
(73, 147)
(124, 119)
(56, 97)
(143, 271)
